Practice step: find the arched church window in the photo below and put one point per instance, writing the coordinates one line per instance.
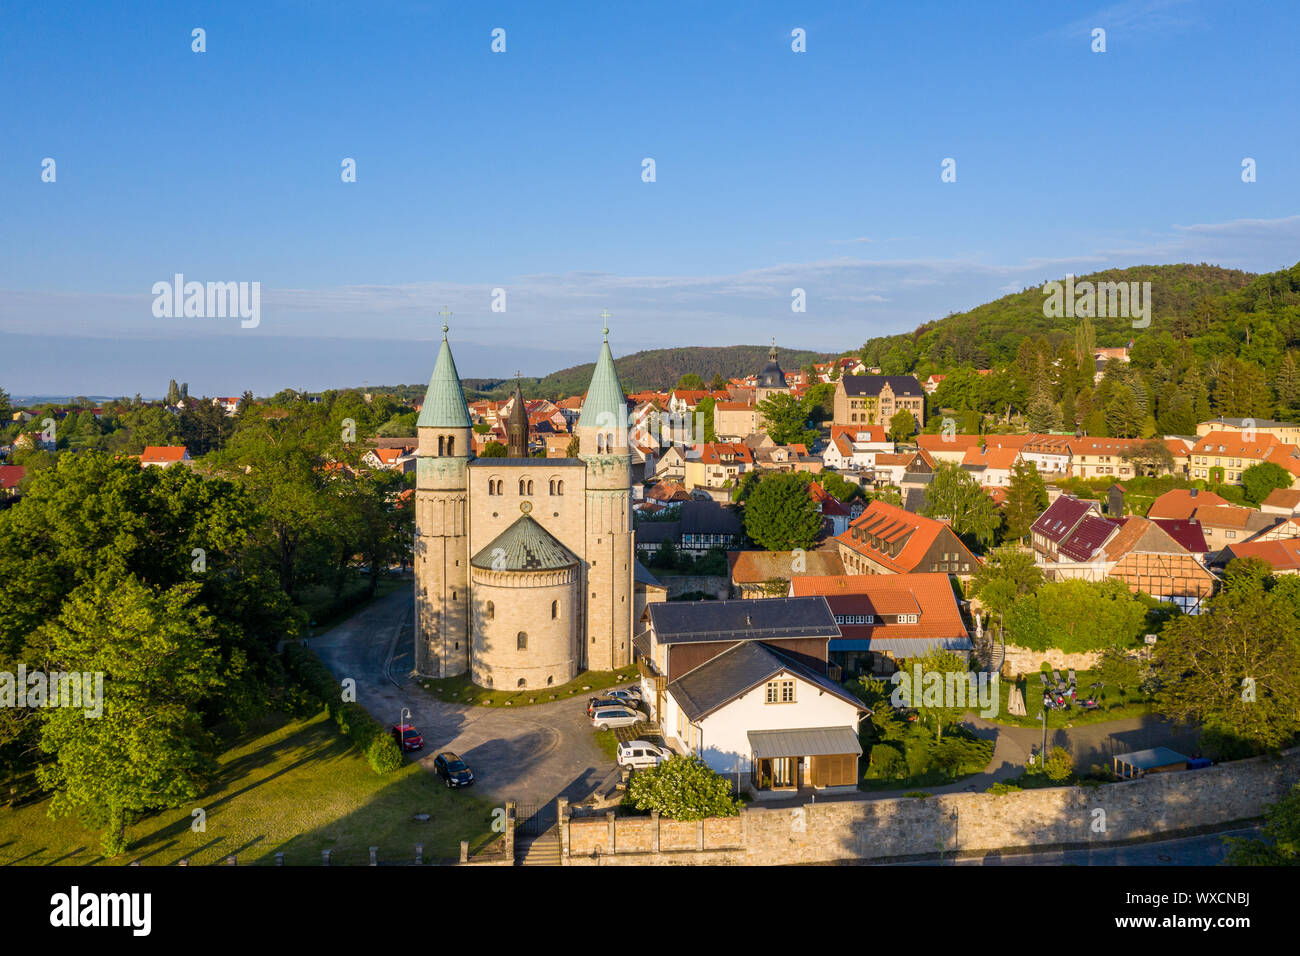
(440, 441)
(491, 610)
(451, 445)
(609, 443)
(522, 683)
(521, 641)
(552, 486)
(559, 487)
(521, 486)
(600, 443)
(555, 610)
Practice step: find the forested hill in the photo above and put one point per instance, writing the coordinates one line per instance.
(1184, 298)
(652, 369)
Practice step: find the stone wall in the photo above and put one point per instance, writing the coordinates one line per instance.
(861, 829)
(1021, 660)
(678, 584)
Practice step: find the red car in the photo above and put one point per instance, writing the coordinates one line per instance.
(407, 737)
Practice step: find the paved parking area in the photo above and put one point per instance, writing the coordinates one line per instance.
(531, 754)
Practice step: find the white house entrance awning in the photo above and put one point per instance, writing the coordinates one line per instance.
(814, 742)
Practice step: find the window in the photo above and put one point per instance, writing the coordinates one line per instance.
(491, 610)
(907, 618)
(522, 683)
(521, 641)
(521, 486)
(559, 487)
(555, 610)
(451, 445)
(530, 486)
(780, 692)
(440, 441)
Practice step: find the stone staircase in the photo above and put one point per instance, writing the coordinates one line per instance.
(543, 850)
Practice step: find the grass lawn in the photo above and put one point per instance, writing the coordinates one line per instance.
(607, 741)
(1114, 705)
(461, 690)
(288, 785)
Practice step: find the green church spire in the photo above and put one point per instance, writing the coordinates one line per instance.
(444, 401)
(605, 405)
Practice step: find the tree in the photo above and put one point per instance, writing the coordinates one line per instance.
(780, 514)
(571, 449)
(1235, 668)
(1076, 616)
(819, 402)
(719, 384)
(494, 449)
(1260, 479)
(902, 426)
(1279, 842)
(1123, 416)
(954, 494)
(706, 410)
(1026, 499)
(689, 382)
(148, 750)
(1005, 575)
(1059, 765)
(682, 788)
(786, 419)
(931, 698)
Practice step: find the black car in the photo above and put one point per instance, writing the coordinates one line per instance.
(453, 770)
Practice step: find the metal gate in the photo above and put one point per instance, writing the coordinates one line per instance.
(534, 819)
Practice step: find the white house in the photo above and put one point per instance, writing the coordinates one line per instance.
(743, 684)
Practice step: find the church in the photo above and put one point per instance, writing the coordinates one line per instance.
(524, 567)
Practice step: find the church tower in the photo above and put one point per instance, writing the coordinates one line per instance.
(517, 426)
(442, 637)
(610, 552)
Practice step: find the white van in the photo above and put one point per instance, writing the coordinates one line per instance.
(641, 753)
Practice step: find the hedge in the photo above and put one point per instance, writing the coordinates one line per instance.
(353, 720)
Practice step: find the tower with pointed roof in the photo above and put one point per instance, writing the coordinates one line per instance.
(611, 551)
(524, 566)
(517, 426)
(442, 638)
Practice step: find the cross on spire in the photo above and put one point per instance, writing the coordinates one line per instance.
(604, 314)
(446, 314)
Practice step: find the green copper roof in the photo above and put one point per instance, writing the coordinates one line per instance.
(444, 402)
(605, 405)
(524, 546)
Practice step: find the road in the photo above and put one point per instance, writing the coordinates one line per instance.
(1206, 850)
(531, 754)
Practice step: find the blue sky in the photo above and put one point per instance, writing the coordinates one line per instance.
(522, 170)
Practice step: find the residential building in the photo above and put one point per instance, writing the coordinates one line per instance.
(1284, 555)
(875, 399)
(1223, 456)
(391, 459)
(755, 573)
(885, 620)
(733, 421)
(720, 464)
(1182, 503)
(164, 456)
(886, 539)
(1287, 433)
(991, 466)
(744, 685)
(10, 475)
(1282, 501)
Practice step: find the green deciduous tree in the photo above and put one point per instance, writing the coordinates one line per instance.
(1005, 575)
(148, 750)
(955, 495)
(1076, 616)
(780, 515)
(1235, 668)
(682, 788)
(1260, 479)
(786, 419)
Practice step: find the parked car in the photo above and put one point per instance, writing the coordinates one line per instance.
(604, 700)
(630, 695)
(407, 737)
(453, 769)
(641, 753)
(606, 717)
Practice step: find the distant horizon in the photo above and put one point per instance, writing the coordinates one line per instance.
(695, 173)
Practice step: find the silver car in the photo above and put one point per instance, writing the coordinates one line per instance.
(606, 717)
(631, 696)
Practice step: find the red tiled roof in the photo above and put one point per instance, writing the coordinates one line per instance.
(1282, 555)
(711, 453)
(1181, 503)
(1234, 445)
(930, 596)
(10, 475)
(163, 453)
(893, 524)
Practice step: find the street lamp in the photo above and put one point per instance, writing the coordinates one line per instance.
(1042, 754)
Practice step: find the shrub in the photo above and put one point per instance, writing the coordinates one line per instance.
(1000, 788)
(917, 794)
(682, 788)
(353, 720)
(1059, 764)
